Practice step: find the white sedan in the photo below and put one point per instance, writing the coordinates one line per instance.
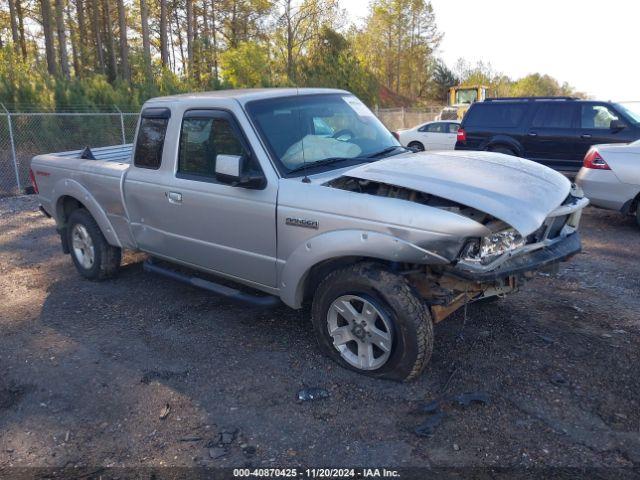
(439, 135)
(610, 177)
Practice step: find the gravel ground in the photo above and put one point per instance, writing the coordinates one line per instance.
(87, 370)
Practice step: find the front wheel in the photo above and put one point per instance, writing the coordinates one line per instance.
(368, 319)
(419, 147)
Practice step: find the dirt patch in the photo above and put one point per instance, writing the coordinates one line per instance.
(142, 371)
(10, 395)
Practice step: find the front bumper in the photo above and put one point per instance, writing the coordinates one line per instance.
(527, 262)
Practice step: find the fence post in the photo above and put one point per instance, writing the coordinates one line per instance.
(124, 137)
(13, 148)
(404, 119)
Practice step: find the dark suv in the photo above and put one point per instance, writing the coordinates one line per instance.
(555, 131)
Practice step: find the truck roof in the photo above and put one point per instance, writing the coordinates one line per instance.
(244, 95)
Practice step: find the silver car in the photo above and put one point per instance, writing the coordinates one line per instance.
(303, 196)
(610, 177)
(439, 135)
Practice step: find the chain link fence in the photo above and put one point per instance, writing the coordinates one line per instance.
(398, 118)
(26, 134)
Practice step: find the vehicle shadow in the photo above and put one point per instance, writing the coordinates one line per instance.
(125, 348)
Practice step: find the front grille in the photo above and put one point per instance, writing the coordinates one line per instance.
(551, 228)
(556, 225)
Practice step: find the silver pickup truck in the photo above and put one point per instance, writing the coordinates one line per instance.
(302, 196)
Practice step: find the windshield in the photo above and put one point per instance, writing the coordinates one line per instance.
(631, 111)
(468, 95)
(312, 129)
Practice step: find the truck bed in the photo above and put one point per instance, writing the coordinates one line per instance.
(112, 153)
(97, 183)
(110, 162)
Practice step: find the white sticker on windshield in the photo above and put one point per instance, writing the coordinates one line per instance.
(358, 107)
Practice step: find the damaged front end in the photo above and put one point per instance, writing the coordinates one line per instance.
(494, 265)
(446, 293)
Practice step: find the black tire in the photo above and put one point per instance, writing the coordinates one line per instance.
(106, 257)
(412, 339)
(417, 146)
(504, 150)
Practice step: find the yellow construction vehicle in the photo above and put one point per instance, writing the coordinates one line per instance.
(460, 98)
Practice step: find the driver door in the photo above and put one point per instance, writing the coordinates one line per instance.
(434, 136)
(208, 223)
(595, 128)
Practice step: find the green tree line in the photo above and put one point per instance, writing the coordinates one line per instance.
(95, 53)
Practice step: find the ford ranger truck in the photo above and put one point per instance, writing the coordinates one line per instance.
(302, 197)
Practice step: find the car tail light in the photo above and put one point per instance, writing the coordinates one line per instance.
(462, 135)
(32, 177)
(396, 135)
(595, 161)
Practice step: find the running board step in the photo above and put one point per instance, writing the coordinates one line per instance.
(232, 293)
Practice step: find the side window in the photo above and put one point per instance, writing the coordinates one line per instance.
(553, 115)
(202, 139)
(454, 127)
(436, 128)
(495, 115)
(148, 153)
(597, 117)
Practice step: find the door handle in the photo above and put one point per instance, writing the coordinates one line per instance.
(585, 135)
(533, 134)
(173, 197)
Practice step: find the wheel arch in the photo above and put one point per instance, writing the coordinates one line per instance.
(631, 206)
(506, 142)
(320, 270)
(70, 196)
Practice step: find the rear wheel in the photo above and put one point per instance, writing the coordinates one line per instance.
(504, 150)
(93, 257)
(417, 146)
(368, 319)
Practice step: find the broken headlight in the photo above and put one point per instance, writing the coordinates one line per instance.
(487, 249)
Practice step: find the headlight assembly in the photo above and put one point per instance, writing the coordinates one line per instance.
(487, 249)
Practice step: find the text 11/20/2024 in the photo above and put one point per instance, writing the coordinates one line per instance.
(315, 473)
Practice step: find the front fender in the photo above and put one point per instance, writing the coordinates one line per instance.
(71, 188)
(346, 243)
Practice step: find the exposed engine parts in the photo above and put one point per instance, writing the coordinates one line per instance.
(391, 191)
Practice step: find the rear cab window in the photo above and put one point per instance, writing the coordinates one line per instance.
(495, 115)
(150, 140)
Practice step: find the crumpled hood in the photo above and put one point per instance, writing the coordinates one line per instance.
(519, 192)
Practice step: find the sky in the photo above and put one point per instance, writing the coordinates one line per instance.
(594, 45)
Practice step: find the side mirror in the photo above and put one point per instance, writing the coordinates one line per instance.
(230, 168)
(617, 125)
